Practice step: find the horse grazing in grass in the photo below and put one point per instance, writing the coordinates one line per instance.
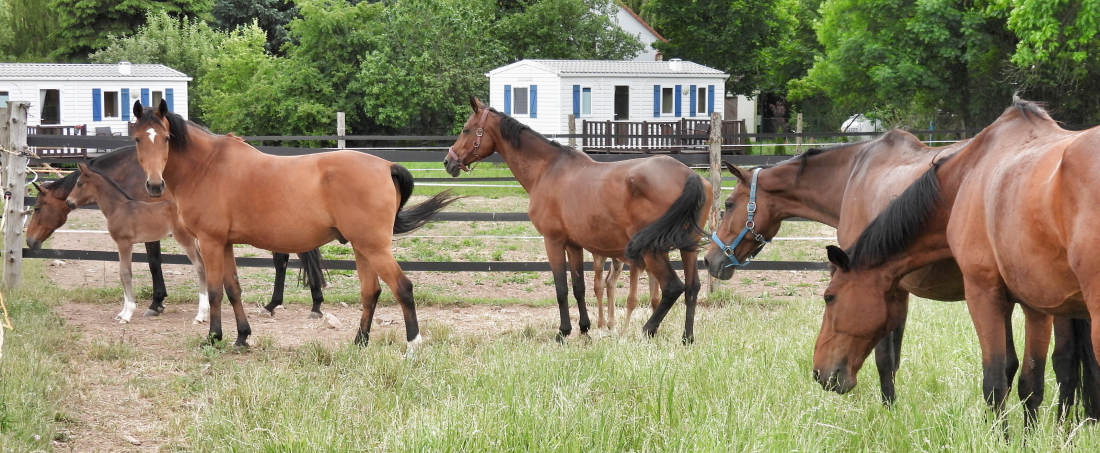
(226, 196)
(1016, 208)
(637, 210)
(121, 167)
(847, 186)
(130, 221)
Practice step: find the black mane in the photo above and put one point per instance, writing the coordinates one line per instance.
(899, 224)
(511, 129)
(803, 158)
(112, 183)
(61, 188)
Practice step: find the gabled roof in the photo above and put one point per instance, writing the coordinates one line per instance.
(54, 71)
(614, 67)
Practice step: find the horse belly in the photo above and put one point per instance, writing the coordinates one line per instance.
(937, 281)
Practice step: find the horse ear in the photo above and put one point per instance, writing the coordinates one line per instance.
(38, 187)
(162, 109)
(838, 257)
(736, 172)
(136, 112)
(476, 104)
(83, 168)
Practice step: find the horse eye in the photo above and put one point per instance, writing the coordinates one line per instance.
(465, 131)
(829, 298)
(729, 204)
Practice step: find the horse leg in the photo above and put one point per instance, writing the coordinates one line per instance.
(1066, 369)
(378, 255)
(369, 290)
(888, 352)
(1036, 344)
(598, 286)
(988, 307)
(125, 255)
(160, 292)
(612, 280)
(631, 296)
(191, 248)
(233, 293)
(691, 293)
(213, 258)
(654, 291)
(671, 289)
(576, 270)
(555, 254)
(315, 280)
(281, 260)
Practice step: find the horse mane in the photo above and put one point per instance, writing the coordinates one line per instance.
(804, 157)
(511, 129)
(1029, 109)
(179, 136)
(112, 183)
(899, 225)
(61, 188)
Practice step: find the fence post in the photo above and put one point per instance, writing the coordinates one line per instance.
(572, 131)
(15, 174)
(340, 144)
(715, 182)
(798, 139)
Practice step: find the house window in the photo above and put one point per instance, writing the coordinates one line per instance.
(586, 101)
(157, 97)
(701, 103)
(622, 103)
(50, 110)
(666, 100)
(3, 99)
(519, 101)
(110, 104)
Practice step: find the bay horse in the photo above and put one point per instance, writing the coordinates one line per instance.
(600, 284)
(130, 221)
(846, 186)
(1016, 209)
(231, 193)
(637, 210)
(121, 167)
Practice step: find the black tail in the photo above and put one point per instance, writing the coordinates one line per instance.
(1090, 370)
(403, 181)
(678, 229)
(312, 268)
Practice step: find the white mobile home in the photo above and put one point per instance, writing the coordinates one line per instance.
(543, 93)
(92, 95)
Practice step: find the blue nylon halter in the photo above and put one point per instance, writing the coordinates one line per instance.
(749, 228)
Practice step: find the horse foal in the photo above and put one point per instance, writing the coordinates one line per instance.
(130, 221)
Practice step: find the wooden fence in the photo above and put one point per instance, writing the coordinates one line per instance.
(648, 137)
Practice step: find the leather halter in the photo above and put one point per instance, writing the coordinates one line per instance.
(749, 229)
(451, 154)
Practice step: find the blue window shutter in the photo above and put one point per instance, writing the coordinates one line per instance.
(576, 101)
(677, 101)
(170, 99)
(125, 105)
(691, 102)
(534, 98)
(97, 104)
(145, 98)
(507, 99)
(710, 99)
(656, 101)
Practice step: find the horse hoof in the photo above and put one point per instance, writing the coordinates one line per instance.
(266, 312)
(242, 345)
(688, 340)
(151, 312)
(123, 321)
(316, 315)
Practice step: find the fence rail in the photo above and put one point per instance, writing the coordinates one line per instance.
(684, 136)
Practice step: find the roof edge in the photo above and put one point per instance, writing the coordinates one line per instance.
(639, 19)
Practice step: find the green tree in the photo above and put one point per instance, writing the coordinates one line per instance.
(563, 29)
(182, 44)
(85, 26)
(271, 15)
(28, 37)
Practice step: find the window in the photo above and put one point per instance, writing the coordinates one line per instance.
(3, 99)
(622, 103)
(157, 97)
(50, 106)
(701, 104)
(519, 101)
(666, 100)
(586, 101)
(110, 104)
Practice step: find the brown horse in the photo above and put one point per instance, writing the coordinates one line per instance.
(638, 210)
(1016, 209)
(846, 186)
(231, 193)
(599, 285)
(121, 167)
(129, 222)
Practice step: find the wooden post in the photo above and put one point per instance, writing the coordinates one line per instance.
(798, 139)
(715, 182)
(14, 137)
(572, 131)
(340, 144)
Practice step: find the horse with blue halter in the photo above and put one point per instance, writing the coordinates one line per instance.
(637, 210)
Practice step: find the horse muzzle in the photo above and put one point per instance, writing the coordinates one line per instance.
(155, 190)
(34, 244)
(718, 265)
(836, 379)
(452, 166)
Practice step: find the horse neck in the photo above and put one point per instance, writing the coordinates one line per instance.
(533, 158)
(816, 194)
(107, 196)
(183, 164)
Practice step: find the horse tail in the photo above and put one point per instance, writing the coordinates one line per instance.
(403, 181)
(1090, 370)
(677, 229)
(312, 268)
